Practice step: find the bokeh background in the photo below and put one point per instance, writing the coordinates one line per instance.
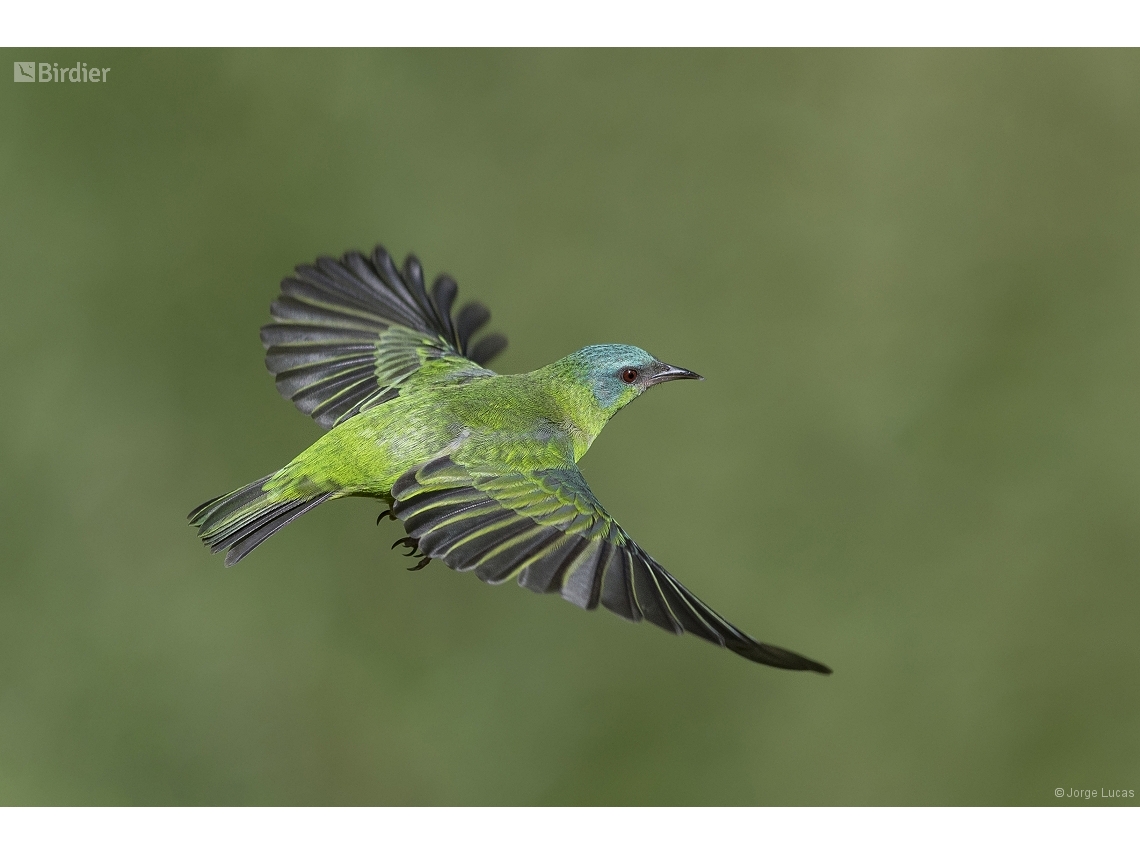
(912, 279)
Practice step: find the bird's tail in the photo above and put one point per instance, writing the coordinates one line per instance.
(241, 520)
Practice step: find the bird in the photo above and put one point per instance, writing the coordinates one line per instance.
(481, 469)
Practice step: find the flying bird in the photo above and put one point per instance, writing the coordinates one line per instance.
(481, 469)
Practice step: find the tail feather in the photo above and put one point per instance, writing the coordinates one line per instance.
(242, 520)
(208, 513)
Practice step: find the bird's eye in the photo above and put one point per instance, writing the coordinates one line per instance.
(628, 375)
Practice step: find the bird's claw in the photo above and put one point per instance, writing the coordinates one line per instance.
(412, 545)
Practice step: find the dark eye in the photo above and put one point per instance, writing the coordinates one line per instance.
(628, 375)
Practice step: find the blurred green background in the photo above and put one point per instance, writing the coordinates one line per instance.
(912, 279)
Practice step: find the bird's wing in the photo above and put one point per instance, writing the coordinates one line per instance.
(547, 529)
(347, 334)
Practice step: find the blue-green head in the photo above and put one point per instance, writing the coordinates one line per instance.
(618, 373)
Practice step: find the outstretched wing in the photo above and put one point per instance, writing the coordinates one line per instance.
(347, 334)
(547, 529)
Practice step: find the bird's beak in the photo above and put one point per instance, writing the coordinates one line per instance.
(672, 372)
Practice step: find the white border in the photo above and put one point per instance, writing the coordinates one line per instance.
(569, 831)
(601, 23)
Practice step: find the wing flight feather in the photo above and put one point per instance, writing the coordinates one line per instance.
(347, 333)
(547, 530)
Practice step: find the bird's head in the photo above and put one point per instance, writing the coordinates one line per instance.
(618, 373)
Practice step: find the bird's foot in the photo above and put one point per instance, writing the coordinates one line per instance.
(413, 546)
(411, 543)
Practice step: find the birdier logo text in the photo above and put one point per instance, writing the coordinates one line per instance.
(52, 72)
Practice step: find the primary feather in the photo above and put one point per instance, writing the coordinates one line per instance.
(348, 333)
(480, 468)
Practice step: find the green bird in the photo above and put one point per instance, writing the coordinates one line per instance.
(480, 468)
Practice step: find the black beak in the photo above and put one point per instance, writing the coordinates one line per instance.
(672, 372)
